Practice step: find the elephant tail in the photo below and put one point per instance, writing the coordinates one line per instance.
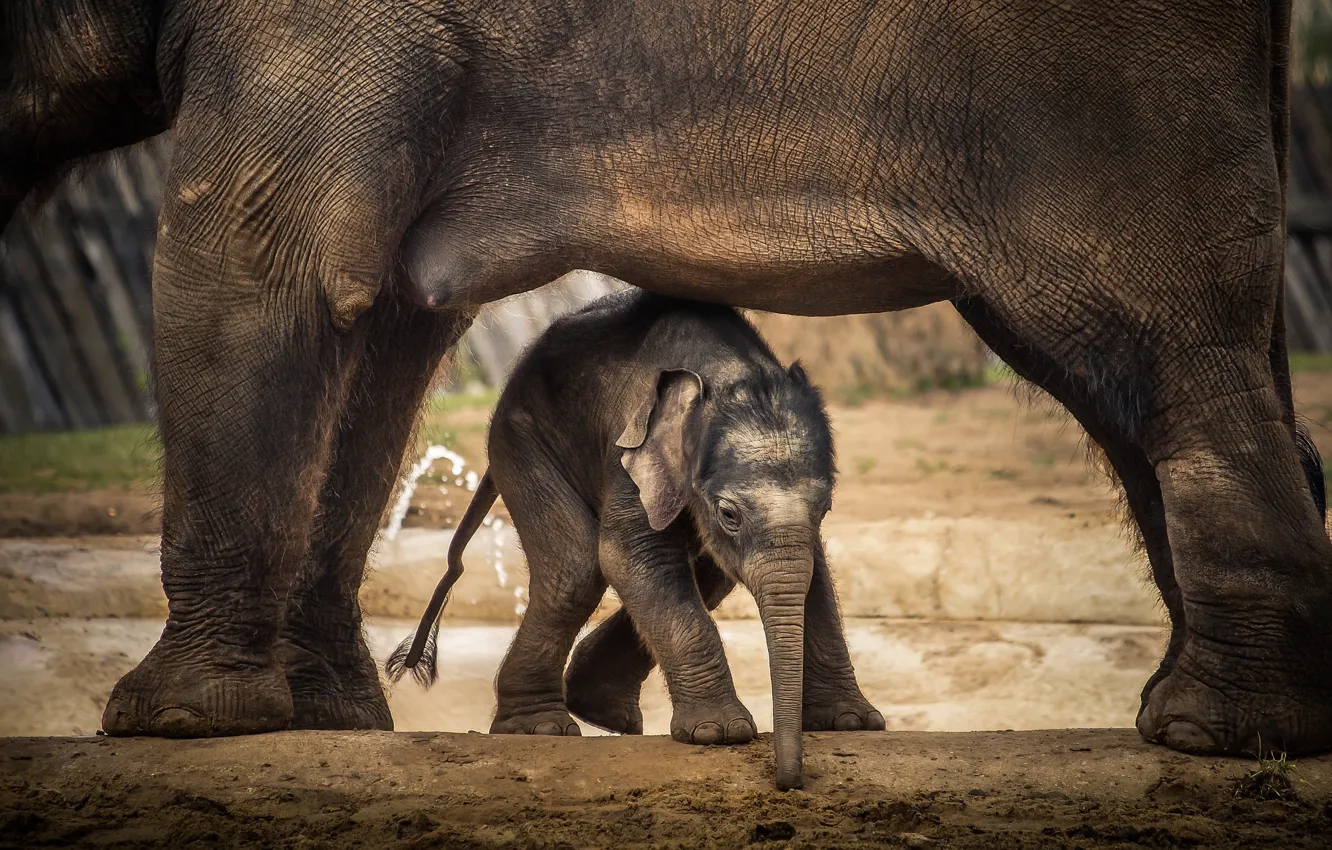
(419, 653)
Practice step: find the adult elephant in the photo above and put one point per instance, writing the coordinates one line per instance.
(1099, 188)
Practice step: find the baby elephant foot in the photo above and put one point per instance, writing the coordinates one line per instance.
(850, 713)
(605, 676)
(713, 723)
(612, 705)
(540, 723)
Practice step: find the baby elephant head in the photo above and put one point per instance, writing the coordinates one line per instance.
(750, 460)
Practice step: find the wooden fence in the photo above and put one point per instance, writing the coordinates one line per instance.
(1309, 243)
(75, 301)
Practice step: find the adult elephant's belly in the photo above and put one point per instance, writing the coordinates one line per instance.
(787, 257)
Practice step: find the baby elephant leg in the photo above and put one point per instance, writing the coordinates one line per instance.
(559, 536)
(832, 698)
(609, 666)
(653, 578)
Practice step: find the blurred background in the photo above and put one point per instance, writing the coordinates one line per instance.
(985, 576)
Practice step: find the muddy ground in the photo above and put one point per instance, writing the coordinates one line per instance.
(1071, 788)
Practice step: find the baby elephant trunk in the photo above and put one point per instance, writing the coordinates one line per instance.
(780, 584)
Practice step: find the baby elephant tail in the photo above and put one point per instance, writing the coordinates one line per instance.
(418, 653)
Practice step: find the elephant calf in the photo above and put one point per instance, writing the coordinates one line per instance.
(658, 446)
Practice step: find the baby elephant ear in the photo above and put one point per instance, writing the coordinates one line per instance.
(654, 444)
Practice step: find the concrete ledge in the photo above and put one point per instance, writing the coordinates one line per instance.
(930, 567)
(936, 567)
(46, 579)
(1022, 789)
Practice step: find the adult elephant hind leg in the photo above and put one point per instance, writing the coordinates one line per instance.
(605, 678)
(334, 680)
(559, 536)
(249, 387)
(1253, 563)
(1189, 380)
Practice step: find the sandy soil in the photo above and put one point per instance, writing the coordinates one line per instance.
(1073, 788)
(923, 675)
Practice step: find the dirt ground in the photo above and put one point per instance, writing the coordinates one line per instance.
(1071, 788)
(965, 453)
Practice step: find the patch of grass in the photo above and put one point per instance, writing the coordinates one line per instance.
(930, 467)
(865, 464)
(1310, 361)
(1003, 474)
(952, 383)
(482, 398)
(855, 395)
(103, 458)
(128, 456)
(1045, 460)
(1271, 780)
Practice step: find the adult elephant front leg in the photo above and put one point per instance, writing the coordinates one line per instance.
(256, 344)
(333, 678)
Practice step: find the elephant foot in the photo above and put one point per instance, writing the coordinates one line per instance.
(1236, 697)
(716, 723)
(604, 679)
(605, 704)
(848, 713)
(538, 723)
(334, 687)
(178, 694)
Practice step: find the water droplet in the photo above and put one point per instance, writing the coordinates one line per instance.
(409, 482)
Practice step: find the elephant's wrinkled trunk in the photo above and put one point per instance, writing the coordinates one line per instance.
(780, 584)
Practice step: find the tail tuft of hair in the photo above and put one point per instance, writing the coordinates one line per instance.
(426, 669)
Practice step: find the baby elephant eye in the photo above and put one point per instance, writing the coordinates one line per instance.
(729, 515)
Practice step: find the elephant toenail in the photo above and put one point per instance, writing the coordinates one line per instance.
(119, 720)
(573, 730)
(547, 727)
(739, 731)
(1187, 736)
(847, 722)
(707, 733)
(177, 722)
(1144, 724)
(874, 722)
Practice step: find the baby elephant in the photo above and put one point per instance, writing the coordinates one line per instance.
(657, 445)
